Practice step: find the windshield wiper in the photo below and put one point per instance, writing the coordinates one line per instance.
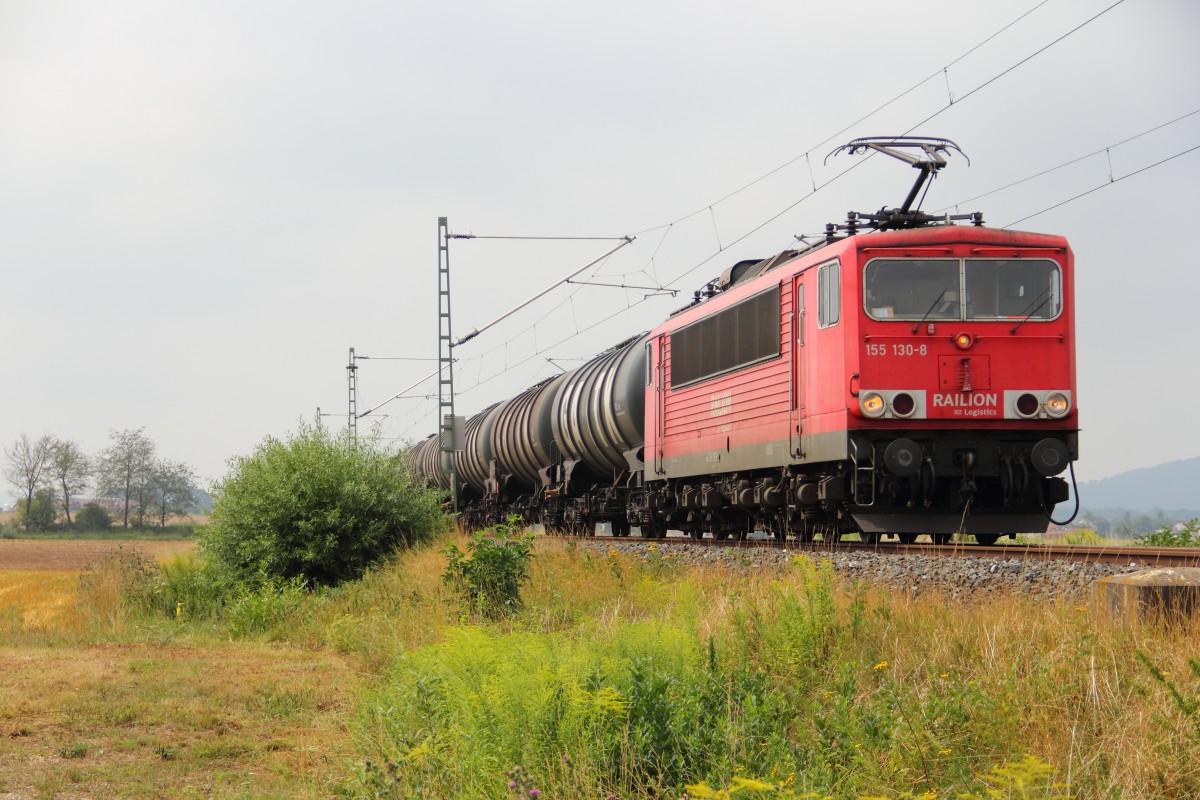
(939, 299)
(1045, 298)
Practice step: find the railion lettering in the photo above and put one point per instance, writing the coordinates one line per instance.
(965, 400)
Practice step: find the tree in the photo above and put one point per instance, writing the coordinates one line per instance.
(26, 469)
(169, 489)
(70, 470)
(37, 514)
(316, 507)
(93, 518)
(124, 469)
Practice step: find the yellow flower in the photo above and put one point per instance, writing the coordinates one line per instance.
(945, 675)
(857, 746)
(827, 694)
(752, 785)
(880, 665)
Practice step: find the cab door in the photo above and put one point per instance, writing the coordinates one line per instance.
(659, 379)
(796, 415)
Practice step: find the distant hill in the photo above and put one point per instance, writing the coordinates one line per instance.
(1174, 488)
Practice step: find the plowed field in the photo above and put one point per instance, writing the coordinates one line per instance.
(76, 554)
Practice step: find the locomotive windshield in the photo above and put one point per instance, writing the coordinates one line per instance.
(962, 289)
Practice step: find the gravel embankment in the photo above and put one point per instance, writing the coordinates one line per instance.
(954, 576)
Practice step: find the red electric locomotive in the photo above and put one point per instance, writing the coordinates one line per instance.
(915, 379)
(906, 375)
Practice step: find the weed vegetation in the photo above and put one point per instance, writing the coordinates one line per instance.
(613, 677)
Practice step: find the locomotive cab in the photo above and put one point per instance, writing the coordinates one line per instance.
(963, 390)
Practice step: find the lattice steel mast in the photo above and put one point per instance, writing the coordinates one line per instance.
(446, 362)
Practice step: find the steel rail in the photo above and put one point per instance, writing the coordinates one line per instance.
(1129, 555)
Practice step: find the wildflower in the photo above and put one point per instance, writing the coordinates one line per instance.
(946, 752)
(178, 610)
(826, 694)
(880, 665)
(945, 675)
(752, 785)
(857, 746)
(534, 792)
(512, 784)
(1081, 608)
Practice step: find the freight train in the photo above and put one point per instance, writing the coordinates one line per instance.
(908, 374)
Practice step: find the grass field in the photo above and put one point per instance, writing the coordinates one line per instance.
(622, 677)
(155, 711)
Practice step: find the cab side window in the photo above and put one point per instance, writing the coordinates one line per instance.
(829, 295)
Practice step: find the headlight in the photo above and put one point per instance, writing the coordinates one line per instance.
(903, 404)
(963, 341)
(872, 404)
(1057, 405)
(1028, 405)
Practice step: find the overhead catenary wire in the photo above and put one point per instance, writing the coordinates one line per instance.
(1027, 58)
(1104, 185)
(625, 240)
(722, 247)
(833, 136)
(1076, 160)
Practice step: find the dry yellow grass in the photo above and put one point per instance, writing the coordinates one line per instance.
(39, 599)
(148, 720)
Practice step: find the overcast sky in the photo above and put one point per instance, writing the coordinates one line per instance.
(204, 205)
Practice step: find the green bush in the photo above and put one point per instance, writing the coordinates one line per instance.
(1167, 536)
(93, 518)
(490, 579)
(1083, 536)
(316, 506)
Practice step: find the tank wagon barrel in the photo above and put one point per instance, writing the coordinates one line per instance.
(600, 409)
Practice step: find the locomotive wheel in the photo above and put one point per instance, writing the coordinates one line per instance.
(869, 538)
(987, 539)
(941, 538)
(652, 530)
(695, 532)
(620, 527)
(907, 538)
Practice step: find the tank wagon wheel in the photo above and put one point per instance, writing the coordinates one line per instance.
(940, 538)
(620, 527)
(869, 538)
(694, 532)
(907, 538)
(987, 539)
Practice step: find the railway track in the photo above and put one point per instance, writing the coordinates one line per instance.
(1124, 555)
